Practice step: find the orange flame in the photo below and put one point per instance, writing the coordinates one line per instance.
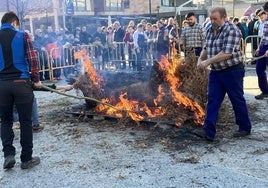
(180, 98)
(138, 110)
(132, 108)
(89, 68)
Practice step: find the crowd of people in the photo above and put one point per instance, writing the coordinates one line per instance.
(215, 44)
(136, 45)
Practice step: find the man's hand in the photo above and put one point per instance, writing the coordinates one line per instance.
(37, 84)
(202, 64)
(68, 87)
(257, 52)
(266, 53)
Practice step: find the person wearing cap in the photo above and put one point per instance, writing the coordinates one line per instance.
(192, 37)
(259, 24)
(223, 54)
(262, 63)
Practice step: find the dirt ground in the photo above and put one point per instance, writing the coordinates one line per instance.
(80, 151)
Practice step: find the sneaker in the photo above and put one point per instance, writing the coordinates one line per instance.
(261, 96)
(202, 134)
(9, 162)
(31, 163)
(241, 133)
(37, 128)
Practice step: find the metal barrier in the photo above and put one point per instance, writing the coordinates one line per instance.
(118, 55)
(251, 43)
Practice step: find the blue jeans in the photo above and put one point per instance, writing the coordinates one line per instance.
(261, 70)
(220, 83)
(35, 114)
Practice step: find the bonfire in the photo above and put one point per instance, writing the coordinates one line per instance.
(173, 92)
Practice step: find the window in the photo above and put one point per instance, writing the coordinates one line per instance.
(167, 3)
(126, 3)
(80, 5)
(113, 5)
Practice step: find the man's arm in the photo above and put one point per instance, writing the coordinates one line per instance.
(220, 57)
(32, 58)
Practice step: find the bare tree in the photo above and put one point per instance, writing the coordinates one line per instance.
(24, 8)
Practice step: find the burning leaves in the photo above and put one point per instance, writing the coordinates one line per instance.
(140, 101)
(169, 69)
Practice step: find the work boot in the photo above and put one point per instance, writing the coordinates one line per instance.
(9, 162)
(261, 96)
(37, 128)
(241, 133)
(202, 134)
(31, 163)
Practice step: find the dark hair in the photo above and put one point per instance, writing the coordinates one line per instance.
(265, 6)
(190, 14)
(235, 19)
(257, 11)
(10, 17)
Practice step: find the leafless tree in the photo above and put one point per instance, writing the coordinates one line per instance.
(27, 7)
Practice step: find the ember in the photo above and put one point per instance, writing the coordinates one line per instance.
(141, 101)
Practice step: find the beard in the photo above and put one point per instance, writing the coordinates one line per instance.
(191, 24)
(215, 27)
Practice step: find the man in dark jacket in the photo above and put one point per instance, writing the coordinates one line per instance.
(119, 34)
(16, 88)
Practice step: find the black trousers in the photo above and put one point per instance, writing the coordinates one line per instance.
(20, 93)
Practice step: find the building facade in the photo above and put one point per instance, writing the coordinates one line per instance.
(70, 13)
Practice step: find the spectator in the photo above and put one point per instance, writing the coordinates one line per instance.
(244, 20)
(162, 40)
(128, 39)
(110, 43)
(152, 42)
(192, 37)
(254, 41)
(85, 37)
(119, 34)
(174, 40)
(140, 40)
(170, 24)
(39, 46)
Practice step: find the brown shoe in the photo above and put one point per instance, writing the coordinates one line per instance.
(37, 128)
(261, 96)
(241, 133)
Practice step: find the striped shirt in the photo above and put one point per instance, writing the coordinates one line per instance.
(194, 36)
(264, 40)
(225, 39)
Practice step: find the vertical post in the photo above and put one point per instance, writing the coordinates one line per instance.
(150, 10)
(64, 14)
(233, 8)
(46, 17)
(56, 13)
